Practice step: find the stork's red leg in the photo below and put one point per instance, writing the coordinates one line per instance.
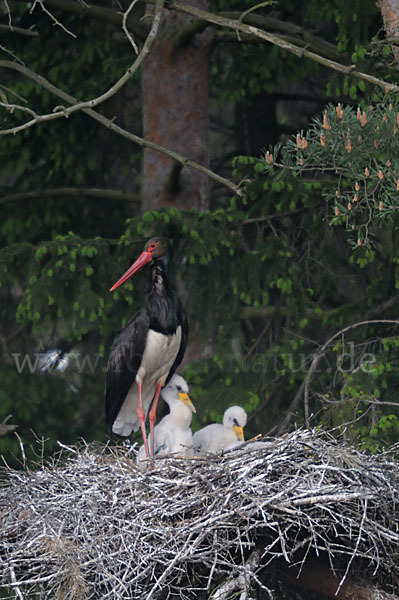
(153, 415)
(141, 416)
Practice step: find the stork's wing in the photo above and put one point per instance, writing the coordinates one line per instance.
(123, 363)
(182, 321)
(161, 448)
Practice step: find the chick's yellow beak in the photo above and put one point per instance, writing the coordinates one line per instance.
(186, 400)
(239, 431)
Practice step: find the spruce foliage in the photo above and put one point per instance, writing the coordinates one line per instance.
(266, 279)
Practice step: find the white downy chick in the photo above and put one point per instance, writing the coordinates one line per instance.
(173, 435)
(215, 438)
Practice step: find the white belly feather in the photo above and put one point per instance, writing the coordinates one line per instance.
(159, 355)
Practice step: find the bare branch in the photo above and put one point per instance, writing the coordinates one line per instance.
(11, 53)
(9, 14)
(282, 43)
(106, 15)
(322, 349)
(61, 111)
(369, 400)
(124, 25)
(288, 31)
(7, 427)
(109, 124)
(86, 107)
(242, 581)
(384, 306)
(251, 30)
(25, 109)
(52, 17)
(19, 30)
(11, 92)
(79, 192)
(289, 415)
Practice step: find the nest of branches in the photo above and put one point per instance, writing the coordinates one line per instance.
(91, 524)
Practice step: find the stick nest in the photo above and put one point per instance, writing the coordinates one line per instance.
(92, 525)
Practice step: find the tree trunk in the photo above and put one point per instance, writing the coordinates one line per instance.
(175, 88)
(390, 16)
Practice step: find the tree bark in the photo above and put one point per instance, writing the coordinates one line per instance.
(390, 16)
(175, 89)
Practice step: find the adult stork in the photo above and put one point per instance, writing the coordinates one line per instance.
(146, 352)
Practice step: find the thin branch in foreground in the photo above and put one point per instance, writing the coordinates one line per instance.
(109, 124)
(52, 17)
(61, 111)
(8, 14)
(11, 53)
(6, 90)
(124, 25)
(79, 192)
(7, 427)
(25, 109)
(19, 30)
(100, 13)
(320, 352)
(276, 40)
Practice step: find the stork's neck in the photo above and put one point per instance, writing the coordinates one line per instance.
(158, 282)
(180, 414)
(161, 303)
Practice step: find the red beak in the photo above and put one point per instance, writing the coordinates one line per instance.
(142, 260)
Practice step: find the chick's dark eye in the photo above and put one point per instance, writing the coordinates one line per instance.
(235, 422)
(179, 388)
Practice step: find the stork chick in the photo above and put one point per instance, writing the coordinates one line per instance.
(215, 438)
(173, 434)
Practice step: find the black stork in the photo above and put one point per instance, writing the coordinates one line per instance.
(148, 350)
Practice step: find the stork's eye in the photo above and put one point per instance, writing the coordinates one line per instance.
(152, 247)
(179, 389)
(235, 422)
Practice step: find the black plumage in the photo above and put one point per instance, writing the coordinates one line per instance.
(162, 314)
(123, 363)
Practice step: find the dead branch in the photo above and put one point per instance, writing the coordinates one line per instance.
(91, 524)
(320, 352)
(100, 13)
(67, 191)
(19, 30)
(237, 26)
(7, 427)
(109, 124)
(61, 111)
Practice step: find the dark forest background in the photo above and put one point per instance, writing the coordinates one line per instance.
(285, 237)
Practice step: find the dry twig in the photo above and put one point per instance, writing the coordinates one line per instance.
(92, 525)
(7, 427)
